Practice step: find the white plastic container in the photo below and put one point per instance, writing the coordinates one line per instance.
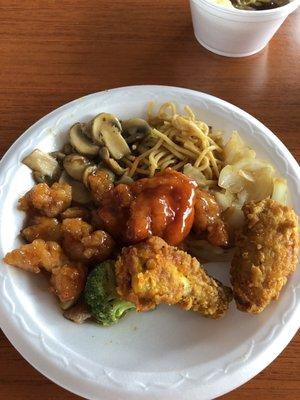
(236, 33)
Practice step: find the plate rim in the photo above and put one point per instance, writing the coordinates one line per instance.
(9, 326)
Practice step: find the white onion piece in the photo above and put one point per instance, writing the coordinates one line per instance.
(280, 190)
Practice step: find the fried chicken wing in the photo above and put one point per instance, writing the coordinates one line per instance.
(45, 200)
(44, 228)
(36, 256)
(207, 219)
(82, 244)
(152, 272)
(266, 254)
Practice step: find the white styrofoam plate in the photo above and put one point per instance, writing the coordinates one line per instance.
(166, 354)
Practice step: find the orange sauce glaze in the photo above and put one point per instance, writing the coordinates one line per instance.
(162, 206)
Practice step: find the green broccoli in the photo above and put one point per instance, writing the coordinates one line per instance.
(101, 296)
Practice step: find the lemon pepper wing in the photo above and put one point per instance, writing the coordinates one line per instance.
(152, 272)
(266, 254)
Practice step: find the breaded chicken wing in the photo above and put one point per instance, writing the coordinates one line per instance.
(45, 200)
(266, 254)
(152, 272)
(208, 219)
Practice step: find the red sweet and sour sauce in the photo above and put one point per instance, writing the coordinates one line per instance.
(162, 206)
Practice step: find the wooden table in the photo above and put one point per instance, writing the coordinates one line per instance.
(54, 51)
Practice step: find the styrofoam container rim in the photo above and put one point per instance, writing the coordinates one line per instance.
(248, 14)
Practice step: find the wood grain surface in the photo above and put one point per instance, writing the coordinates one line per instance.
(54, 51)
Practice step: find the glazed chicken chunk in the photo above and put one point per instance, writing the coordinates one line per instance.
(81, 243)
(162, 205)
(36, 256)
(266, 254)
(68, 281)
(45, 200)
(48, 229)
(153, 272)
(208, 219)
(76, 212)
(67, 278)
(99, 184)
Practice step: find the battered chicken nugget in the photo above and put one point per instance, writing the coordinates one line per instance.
(45, 200)
(76, 212)
(152, 272)
(266, 254)
(36, 256)
(68, 281)
(44, 228)
(82, 244)
(100, 184)
(207, 219)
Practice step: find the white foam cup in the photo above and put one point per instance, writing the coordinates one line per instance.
(236, 33)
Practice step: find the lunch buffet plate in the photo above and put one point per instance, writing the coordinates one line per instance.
(165, 354)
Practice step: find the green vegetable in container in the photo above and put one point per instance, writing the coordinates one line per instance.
(101, 297)
(258, 4)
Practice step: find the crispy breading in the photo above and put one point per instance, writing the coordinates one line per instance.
(82, 244)
(68, 281)
(152, 272)
(36, 256)
(266, 254)
(208, 219)
(45, 228)
(45, 200)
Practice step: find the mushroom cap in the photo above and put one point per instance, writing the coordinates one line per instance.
(79, 192)
(81, 143)
(75, 164)
(135, 129)
(88, 170)
(110, 162)
(106, 130)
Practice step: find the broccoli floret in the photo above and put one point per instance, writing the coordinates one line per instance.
(101, 296)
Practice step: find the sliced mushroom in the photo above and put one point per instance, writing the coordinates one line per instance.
(88, 170)
(59, 156)
(110, 162)
(106, 129)
(43, 164)
(67, 149)
(125, 179)
(81, 143)
(135, 129)
(75, 165)
(79, 193)
(110, 173)
(40, 178)
(78, 313)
